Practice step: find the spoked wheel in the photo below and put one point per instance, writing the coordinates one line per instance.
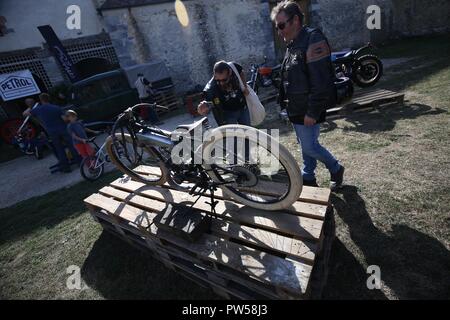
(369, 71)
(137, 161)
(92, 168)
(252, 167)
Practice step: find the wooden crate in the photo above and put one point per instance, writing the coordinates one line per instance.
(247, 254)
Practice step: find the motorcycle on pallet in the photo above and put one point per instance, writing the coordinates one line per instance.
(361, 65)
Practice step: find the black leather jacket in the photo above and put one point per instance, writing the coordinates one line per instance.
(214, 94)
(307, 77)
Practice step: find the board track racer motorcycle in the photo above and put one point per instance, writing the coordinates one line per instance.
(247, 164)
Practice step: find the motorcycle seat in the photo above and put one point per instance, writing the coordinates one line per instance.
(192, 126)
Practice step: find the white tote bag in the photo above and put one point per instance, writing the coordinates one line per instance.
(255, 107)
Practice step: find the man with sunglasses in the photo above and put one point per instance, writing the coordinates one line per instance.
(307, 88)
(224, 96)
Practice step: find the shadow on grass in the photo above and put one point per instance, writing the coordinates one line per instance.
(48, 210)
(413, 72)
(387, 118)
(413, 264)
(119, 271)
(347, 277)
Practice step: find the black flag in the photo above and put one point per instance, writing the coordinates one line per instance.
(59, 52)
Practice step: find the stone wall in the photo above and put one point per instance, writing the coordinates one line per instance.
(236, 30)
(344, 21)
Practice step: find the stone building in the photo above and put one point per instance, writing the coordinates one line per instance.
(23, 47)
(213, 30)
(240, 30)
(190, 35)
(344, 21)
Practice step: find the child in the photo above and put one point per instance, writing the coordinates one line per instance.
(78, 133)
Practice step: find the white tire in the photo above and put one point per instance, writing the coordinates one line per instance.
(284, 157)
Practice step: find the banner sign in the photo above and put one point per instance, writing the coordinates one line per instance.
(17, 85)
(59, 52)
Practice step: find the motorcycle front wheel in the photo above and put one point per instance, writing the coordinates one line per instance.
(367, 70)
(252, 168)
(136, 160)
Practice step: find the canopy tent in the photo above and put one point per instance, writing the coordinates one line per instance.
(156, 72)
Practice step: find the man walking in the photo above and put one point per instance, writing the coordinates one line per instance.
(307, 88)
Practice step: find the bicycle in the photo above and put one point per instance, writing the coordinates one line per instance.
(93, 167)
(29, 140)
(149, 154)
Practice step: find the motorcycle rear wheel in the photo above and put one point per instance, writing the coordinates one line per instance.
(267, 186)
(367, 71)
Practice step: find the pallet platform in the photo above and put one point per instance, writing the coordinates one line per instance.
(362, 101)
(367, 99)
(246, 254)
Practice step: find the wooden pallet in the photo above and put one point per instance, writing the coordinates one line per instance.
(363, 101)
(247, 253)
(370, 99)
(168, 99)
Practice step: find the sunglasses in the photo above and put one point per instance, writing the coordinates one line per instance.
(282, 25)
(222, 80)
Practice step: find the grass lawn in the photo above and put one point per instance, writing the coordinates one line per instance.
(393, 211)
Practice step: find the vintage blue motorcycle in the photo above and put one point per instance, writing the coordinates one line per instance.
(360, 65)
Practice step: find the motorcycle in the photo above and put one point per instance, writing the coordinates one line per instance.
(264, 76)
(28, 141)
(364, 69)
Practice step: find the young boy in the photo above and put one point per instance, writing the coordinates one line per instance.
(78, 133)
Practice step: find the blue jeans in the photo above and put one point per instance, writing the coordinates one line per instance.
(237, 117)
(308, 138)
(60, 141)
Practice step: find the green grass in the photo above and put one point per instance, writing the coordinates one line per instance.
(393, 211)
(41, 237)
(367, 146)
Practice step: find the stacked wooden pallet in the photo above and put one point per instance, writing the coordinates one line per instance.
(246, 254)
(168, 99)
